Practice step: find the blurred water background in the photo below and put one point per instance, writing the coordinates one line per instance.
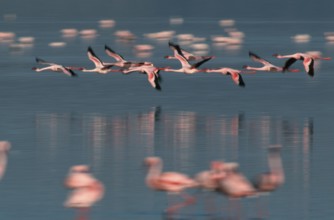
(112, 122)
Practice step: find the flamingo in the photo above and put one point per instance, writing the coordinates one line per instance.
(208, 181)
(270, 181)
(85, 192)
(55, 68)
(100, 67)
(151, 71)
(189, 56)
(235, 74)
(308, 61)
(4, 149)
(120, 61)
(186, 68)
(267, 66)
(170, 182)
(233, 183)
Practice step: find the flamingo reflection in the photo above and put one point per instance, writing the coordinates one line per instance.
(4, 148)
(86, 190)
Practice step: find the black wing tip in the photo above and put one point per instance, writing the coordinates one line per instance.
(241, 82)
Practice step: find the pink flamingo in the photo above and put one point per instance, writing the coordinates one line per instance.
(120, 61)
(308, 61)
(56, 68)
(151, 71)
(186, 68)
(86, 191)
(4, 149)
(189, 56)
(234, 184)
(235, 74)
(170, 182)
(100, 67)
(270, 181)
(267, 66)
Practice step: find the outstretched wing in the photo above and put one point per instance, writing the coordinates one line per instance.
(195, 65)
(288, 63)
(256, 58)
(92, 56)
(113, 54)
(41, 61)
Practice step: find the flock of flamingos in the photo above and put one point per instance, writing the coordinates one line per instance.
(190, 64)
(221, 177)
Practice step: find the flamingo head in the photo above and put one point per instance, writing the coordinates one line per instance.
(5, 146)
(34, 68)
(149, 161)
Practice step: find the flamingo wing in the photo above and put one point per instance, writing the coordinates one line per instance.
(256, 58)
(113, 54)
(309, 66)
(288, 63)
(92, 56)
(41, 61)
(195, 65)
(68, 72)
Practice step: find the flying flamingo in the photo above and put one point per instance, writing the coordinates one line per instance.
(308, 61)
(100, 67)
(235, 74)
(85, 192)
(120, 61)
(151, 71)
(189, 56)
(4, 148)
(170, 182)
(267, 66)
(186, 68)
(55, 68)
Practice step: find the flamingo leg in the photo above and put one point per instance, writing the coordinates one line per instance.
(83, 213)
(188, 200)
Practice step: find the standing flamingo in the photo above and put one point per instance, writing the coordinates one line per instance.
(86, 191)
(55, 68)
(234, 184)
(308, 61)
(170, 182)
(267, 66)
(4, 149)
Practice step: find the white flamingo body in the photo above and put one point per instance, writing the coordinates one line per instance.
(266, 65)
(100, 67)
(151, 71)
(54, 68)
(85, 197)
(186, 68)
(308, 61)
(166, 181)
(120, 61)
(86, 190)
(235, 74)
(170, 182)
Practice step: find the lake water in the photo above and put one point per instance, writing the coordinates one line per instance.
(112, 122)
